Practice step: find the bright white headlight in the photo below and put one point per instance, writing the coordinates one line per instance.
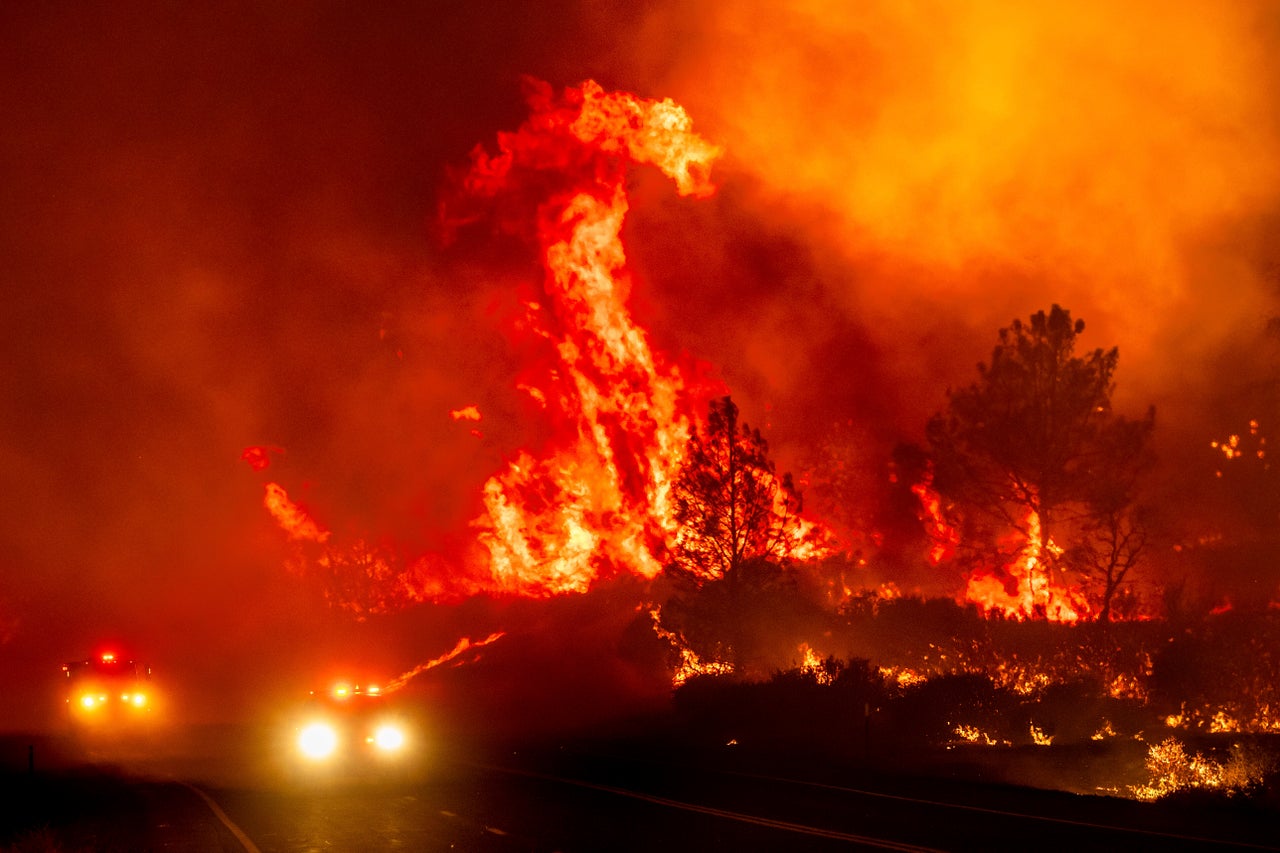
(388, 738)
(318, 740)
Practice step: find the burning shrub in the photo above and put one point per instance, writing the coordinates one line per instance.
(1174, 771)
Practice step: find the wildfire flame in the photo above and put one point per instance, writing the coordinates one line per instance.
(598, 500)
(1022, 588)
(1025, 588)
(811, 664)
(943, 538)
(463, 645)
(601, 502)
(690, 664)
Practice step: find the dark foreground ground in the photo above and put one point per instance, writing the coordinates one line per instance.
(223, 789)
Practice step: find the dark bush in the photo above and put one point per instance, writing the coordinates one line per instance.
(794, 710)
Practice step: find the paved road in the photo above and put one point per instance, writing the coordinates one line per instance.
(222, 792)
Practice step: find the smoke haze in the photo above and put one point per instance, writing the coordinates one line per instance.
(219, 232)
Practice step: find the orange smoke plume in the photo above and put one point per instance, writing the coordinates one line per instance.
(974, 157)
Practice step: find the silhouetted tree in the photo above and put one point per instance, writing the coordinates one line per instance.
(1113, 539)
(739, 525)
(731, 505)
(1034, 447)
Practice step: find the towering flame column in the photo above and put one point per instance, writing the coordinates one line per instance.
(599, 501)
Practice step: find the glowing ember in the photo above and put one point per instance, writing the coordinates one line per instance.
(1236, 447)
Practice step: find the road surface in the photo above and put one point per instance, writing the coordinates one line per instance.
(222, 790)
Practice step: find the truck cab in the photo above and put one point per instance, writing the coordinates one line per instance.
(107, 692)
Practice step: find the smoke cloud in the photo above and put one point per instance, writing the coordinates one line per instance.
(942, 169)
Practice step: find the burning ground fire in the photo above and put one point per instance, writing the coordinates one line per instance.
(596, 501)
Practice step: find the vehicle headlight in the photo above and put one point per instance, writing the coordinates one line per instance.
(88, 701)
(318, 740)
(138, 700)
(388, 738)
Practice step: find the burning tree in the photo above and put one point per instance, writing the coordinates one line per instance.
(738, 524)
(1031, 452)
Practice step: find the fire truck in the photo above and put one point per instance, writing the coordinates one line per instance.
(352, 731)
(107, 692)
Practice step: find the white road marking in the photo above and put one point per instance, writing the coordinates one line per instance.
(245, 841)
